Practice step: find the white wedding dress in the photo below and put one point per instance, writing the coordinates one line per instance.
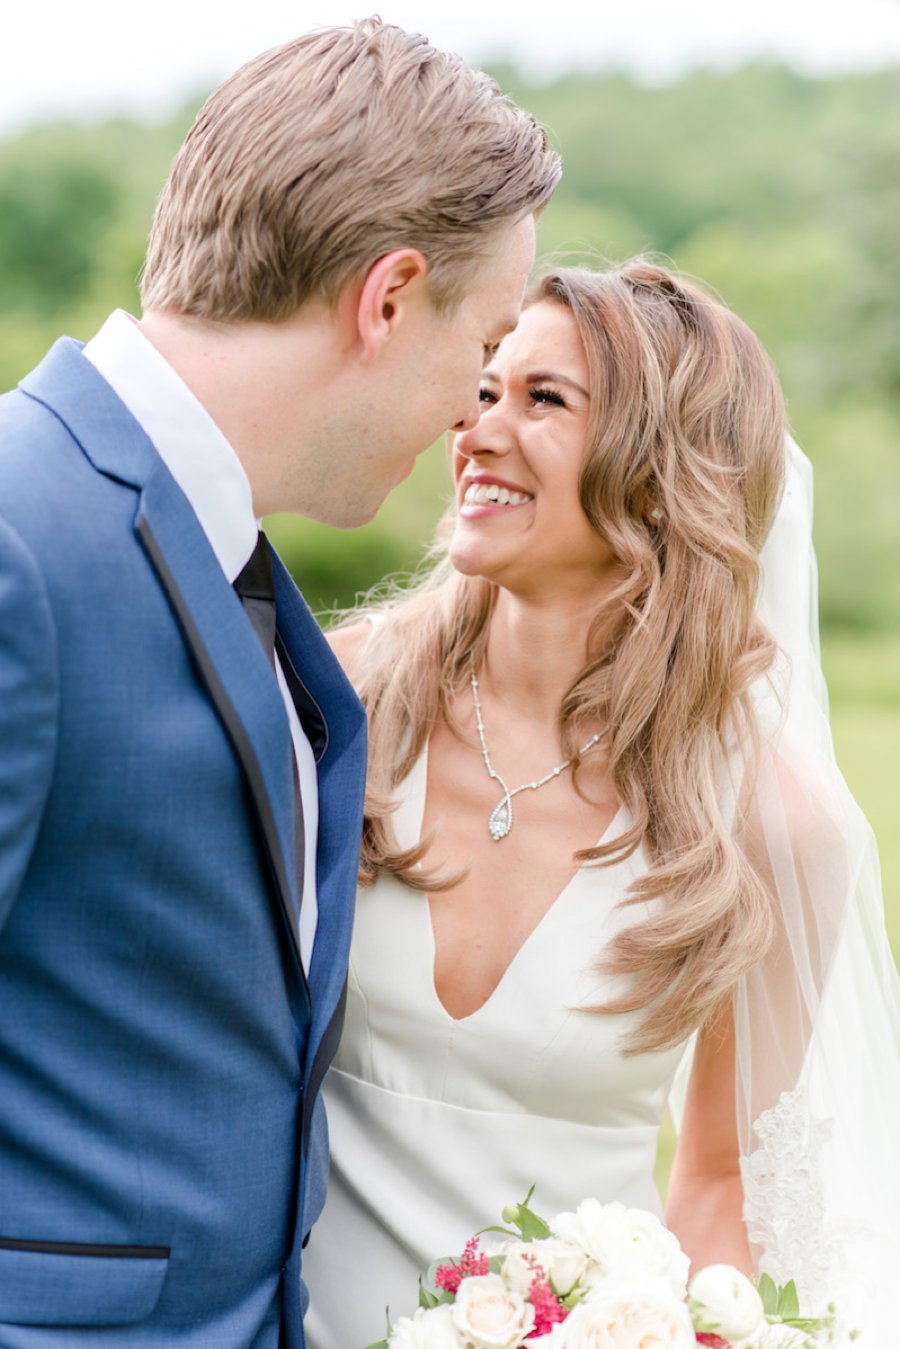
(437, 1123)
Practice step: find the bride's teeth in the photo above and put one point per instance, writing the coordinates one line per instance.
(484, 494)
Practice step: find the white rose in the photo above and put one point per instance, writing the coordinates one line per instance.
(638, 1317)
(489, 1315)
(560, 1261)
(433, 1329)
(624, 1244)
(724, 1301)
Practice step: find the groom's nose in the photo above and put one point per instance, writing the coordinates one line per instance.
(471, 417)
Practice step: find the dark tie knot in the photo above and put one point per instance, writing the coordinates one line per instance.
(255, 580)
(256, 589)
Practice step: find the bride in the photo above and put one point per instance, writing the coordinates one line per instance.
(608, 856)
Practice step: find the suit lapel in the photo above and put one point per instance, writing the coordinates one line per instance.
(223, 646)
(341, 783)
(236, 674)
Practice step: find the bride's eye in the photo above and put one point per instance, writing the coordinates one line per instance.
(545, 397)
(486, 395)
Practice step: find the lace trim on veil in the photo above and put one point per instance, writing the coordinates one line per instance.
(785, 1205)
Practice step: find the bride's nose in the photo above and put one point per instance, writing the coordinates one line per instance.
(487, 436)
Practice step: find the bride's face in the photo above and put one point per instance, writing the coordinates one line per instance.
(519, 518)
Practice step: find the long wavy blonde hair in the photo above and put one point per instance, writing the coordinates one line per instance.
(681, 477)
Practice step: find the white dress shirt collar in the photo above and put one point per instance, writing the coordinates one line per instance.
(187, 439)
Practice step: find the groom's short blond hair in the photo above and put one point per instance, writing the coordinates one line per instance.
(317, 158)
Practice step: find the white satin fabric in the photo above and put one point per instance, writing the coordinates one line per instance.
(436, 1124)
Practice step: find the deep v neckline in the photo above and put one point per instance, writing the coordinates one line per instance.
(413, 819)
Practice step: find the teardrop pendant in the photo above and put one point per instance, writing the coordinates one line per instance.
(500, 822)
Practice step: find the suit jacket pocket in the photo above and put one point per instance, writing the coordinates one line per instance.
(48, 1283)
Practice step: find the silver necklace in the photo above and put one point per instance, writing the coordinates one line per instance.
(501, 819)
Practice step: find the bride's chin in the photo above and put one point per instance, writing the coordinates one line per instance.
(465, 567)
(470, 561)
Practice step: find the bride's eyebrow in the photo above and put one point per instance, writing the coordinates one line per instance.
(551, 377)
(540, 377)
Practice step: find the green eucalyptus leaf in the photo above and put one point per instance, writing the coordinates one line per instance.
(788, 1301)
(810, 1325)
(532, 1226)
(768, 1291)
(427, 1299)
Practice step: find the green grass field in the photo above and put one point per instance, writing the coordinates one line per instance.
(864, 682)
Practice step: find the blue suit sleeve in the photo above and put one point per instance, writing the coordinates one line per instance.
(29, 706)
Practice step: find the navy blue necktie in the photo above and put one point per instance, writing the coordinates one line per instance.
(256, 589)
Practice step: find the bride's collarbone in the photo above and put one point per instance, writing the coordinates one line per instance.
(535, 860)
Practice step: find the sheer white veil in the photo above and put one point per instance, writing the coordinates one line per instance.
(818, 1022)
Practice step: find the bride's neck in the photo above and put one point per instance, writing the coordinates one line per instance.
(534, 652)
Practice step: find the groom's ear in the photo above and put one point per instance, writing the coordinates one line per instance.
(393, 285)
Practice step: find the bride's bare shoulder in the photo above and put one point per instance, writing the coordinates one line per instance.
(347, 643)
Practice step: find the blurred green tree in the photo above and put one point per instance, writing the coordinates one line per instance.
(779, 190)
(52, 213)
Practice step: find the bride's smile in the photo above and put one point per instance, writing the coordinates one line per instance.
(484, 494)
(520, 521)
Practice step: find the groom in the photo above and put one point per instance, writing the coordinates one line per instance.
(345, 232)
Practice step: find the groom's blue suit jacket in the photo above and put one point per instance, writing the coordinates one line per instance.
(162, 1145)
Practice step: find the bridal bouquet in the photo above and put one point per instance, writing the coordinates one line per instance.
(603, 1277)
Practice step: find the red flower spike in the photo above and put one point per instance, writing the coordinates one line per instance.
(448, 1278)
(471, 1264)
(712, 1341)
(548, 1310)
